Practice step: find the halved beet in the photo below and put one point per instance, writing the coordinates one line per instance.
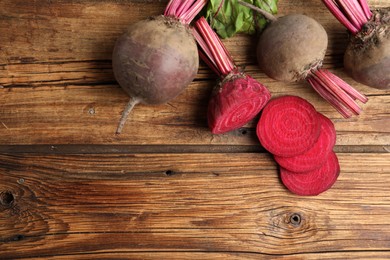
(237, 98)
(314, 182)
(235, 102)
(315, 157)
(288, 126)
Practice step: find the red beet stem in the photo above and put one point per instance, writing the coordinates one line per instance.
(334, 9)
(333, 87)
(346, 87)
(185, 11)
(349, 14)
(336, 92)
(358, 9)
(330, 98)
(205, 53)
(366, 9)
(356, 14)
(213, 48)
(353, 14)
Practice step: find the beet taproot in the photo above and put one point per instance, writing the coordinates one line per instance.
(157, 58)
(237, 98)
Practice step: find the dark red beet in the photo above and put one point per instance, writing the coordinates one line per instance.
(367, 57)
(227, 111)
(238, 98)
(157, 58)
(292, 48)
(316, 156)
(314, 182)
(288, 126)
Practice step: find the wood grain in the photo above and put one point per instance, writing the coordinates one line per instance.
(221, 255)
(86, 114)
(133, 203)
(166, 188)
(89, 114)
(58, 85)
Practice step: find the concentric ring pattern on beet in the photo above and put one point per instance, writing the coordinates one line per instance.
(302, 141)
(314, 157)
(314, 182)
(289, 126)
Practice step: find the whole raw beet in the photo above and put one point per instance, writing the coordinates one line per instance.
(291, 46)
(154, 60)
(367, 58)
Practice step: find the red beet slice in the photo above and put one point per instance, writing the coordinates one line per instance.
(314, 182)
(315, 157)
(235, 102)
(289, 126)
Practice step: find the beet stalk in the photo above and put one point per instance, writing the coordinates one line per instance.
(367, 57)
(292, 48)
(238, 97)
(156, 58)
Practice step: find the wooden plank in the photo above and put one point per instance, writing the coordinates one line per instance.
(223, 256)
(38, 31)
(58, 87)
(125, 149)
(364, 255)
(229, 203)
(86, 114)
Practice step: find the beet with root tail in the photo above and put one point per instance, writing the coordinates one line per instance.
(157, 58)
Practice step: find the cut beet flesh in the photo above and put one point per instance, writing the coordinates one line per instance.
(235, 102)
(314, 157)
(238, 98)
(288, 126)
(314, 182)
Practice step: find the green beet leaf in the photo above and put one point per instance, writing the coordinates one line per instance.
(228, 17)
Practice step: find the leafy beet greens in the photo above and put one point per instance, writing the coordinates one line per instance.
(227, 17)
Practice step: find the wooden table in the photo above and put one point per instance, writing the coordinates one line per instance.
(166, 188)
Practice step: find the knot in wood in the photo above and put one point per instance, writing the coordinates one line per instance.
(295, 219)
(169, 172)
(6, 198)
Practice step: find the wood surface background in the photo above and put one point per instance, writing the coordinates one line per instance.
(166, 188)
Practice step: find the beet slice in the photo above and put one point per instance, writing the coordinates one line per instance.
(288, 126)
(315, 157)
(314, 182)
(236, 102)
